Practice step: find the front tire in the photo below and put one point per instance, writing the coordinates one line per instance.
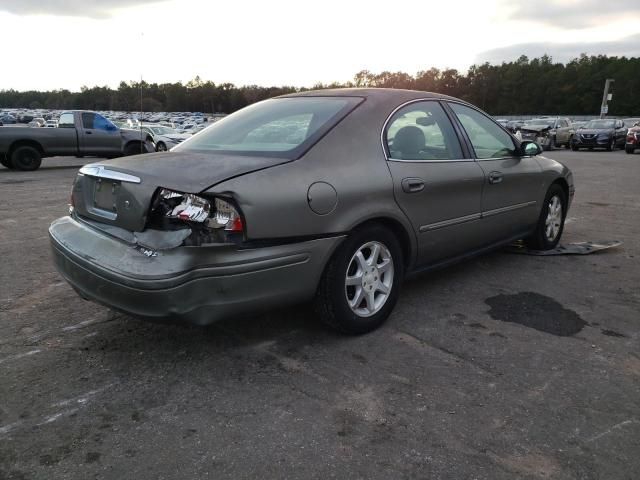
(568, 144)
(361, 282)
(5, 162)
(161, 147)
(26, 158)
(574, 147)
(627, 148)
(551, 221)
(612, 146)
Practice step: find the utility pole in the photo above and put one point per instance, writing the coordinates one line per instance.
(606, 96)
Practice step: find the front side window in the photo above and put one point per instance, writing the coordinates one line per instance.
(487, 138)
(422, 131)
(101, 123)
(280, 127)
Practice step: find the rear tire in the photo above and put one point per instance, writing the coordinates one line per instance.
(551, 221)
(133, 148)
(574, 147)
(26, 158)
(627, 149)
(361, 281)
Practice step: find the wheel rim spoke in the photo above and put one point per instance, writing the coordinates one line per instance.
(357, 299)
(354, 280)
(371, 301)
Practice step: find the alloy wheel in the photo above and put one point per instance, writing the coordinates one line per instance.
(553, 221)
(369, 279)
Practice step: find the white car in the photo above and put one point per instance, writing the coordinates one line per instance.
(164, 138)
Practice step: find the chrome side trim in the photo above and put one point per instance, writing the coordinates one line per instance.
(101, 171)
(509, 208)
(450, 222)
(474, 216)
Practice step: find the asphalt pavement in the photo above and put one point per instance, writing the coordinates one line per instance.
(507, 366)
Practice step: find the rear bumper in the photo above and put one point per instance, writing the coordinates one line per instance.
(194, 284)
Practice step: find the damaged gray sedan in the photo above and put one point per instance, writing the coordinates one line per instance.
(332, 196)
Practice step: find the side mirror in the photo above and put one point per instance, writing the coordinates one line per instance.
(530, 149)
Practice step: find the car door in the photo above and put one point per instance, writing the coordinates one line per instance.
(99, 136)
(513, 183)
(437, 184)
(562, 131)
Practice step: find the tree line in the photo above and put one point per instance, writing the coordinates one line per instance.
(524, 86)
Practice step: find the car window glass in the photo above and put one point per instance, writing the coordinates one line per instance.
(422, 131)
(288, 130)
(487, 138)
(101, 123)
(87, 120)
(66, 121)
(281, 127)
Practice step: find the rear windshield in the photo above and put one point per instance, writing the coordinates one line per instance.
(280, 127)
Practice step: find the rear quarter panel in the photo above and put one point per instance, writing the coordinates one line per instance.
(275, 203)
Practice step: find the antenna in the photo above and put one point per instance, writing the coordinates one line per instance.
(139, 123)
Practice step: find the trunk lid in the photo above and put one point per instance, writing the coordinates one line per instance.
(119, 192)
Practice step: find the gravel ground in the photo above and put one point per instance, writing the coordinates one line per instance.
(506, 366)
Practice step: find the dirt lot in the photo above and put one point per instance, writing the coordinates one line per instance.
(507, 366)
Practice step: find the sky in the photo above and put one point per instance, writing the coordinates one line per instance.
(56, 44)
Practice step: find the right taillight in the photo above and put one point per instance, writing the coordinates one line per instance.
(225, 215)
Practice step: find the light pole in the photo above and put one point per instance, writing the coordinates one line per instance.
(606, 96)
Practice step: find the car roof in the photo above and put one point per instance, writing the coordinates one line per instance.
(380, 93)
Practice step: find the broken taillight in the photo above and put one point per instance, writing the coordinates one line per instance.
(216, 213)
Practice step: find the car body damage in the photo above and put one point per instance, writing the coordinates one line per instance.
(256, 210)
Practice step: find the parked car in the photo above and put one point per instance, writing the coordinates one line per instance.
(164, 138)
(8, 119)
(51, 124)
(331, 196)
(548, 132)
(601, 133)
(633, 138)
(79, 133)
(514, 125)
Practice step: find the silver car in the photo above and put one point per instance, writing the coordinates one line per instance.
(329, 196)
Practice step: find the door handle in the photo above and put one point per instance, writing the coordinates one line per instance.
(412, 185)
(495, 177)
(88, 132)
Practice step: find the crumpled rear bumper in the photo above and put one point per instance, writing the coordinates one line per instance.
(195, 284)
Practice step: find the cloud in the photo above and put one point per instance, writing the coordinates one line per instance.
(72, 8)
(562, 52)
(571, 14)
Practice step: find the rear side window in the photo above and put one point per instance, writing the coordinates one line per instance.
(66, 121)
(87, 120)
(422, 131)
(487, 138)
(280, 127)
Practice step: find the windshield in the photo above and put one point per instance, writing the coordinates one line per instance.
(541, 121)
(281, 127)
(600, 124)
(163, 130)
